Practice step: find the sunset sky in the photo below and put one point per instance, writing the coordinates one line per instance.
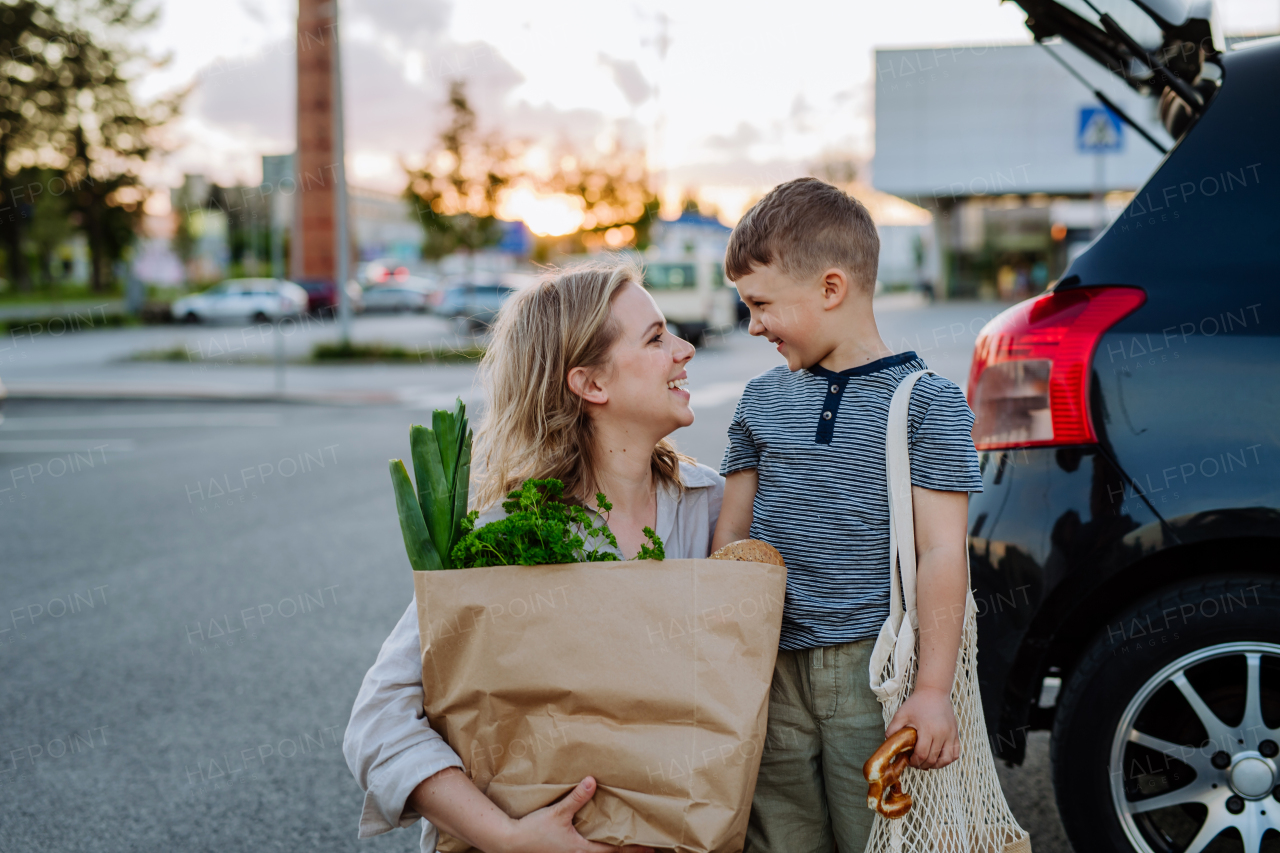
(745, 95)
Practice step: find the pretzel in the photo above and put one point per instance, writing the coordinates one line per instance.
(882, 770)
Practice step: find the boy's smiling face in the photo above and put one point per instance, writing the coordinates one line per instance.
(789, 313)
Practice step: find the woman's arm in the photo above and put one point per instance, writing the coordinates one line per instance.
(389, 745)
(736, 511)
(453, 804)
(942, 579)
(408, 771)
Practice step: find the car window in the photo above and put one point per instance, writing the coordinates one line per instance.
(670, 277)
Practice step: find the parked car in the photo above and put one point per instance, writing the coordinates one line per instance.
(322, 296)
(380, 272)
(261, 300)
(693, 296)
(396, 298)
(471, 306)
(1123, 551)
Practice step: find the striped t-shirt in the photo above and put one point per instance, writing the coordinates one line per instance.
(816, 439)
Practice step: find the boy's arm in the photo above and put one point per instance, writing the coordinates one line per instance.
(736, 511)
(942, 581)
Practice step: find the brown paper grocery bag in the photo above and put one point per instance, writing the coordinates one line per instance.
(653, 677)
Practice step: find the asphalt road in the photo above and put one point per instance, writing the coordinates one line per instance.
(142, 709)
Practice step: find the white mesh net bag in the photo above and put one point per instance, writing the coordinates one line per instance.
(960, 808)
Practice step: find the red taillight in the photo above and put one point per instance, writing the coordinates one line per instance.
(1029, 383)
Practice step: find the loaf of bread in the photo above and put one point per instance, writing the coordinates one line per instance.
(750, 551)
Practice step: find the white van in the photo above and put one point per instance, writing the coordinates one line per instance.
(693, 295)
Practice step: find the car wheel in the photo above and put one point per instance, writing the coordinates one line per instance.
(191, 318)
(261, 317)
(1167, 736)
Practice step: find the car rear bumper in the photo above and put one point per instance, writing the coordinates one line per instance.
(1051, 530)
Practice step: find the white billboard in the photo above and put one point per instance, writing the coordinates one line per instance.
(996, 119)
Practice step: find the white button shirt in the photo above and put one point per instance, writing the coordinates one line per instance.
(390, 747)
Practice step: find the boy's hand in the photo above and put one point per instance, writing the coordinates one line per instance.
(928, 711)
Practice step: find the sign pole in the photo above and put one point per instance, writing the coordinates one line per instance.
(1099, 183)
(343, 261)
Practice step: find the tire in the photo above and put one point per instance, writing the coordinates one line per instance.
(191, 318)
(1136, 767)
(261, 317)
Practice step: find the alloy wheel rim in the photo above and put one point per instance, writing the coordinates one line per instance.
(1236, 789)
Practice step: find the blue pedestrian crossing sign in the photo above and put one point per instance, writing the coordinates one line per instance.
(1099, 131)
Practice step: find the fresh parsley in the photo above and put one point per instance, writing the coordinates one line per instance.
(541, 529)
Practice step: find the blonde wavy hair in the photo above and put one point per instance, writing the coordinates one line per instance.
(534, 426)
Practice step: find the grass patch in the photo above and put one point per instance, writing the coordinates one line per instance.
(330, 352)
(57, 326)
(65, 292)
(177, 352)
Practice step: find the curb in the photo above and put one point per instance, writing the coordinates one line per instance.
(84, 392)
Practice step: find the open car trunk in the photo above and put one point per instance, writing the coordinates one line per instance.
(1168, 49)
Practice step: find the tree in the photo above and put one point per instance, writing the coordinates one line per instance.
(33, 97)
(65, 104)
(615, 191)
(455, 196)
(50, 223)
(107, 135)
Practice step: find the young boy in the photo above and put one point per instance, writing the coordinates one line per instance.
(805, 471)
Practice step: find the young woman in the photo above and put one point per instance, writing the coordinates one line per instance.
(584, 383)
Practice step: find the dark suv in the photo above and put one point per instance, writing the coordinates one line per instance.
(1126, 549)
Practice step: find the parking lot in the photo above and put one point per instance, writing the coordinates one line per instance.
(192, 589)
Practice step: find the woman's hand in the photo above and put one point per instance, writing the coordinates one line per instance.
(550, 829)
(928, 711)
(452, 802)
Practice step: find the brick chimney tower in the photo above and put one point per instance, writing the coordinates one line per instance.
(312, 251)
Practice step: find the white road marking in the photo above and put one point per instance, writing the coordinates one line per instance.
(77, 445)
(716, 394)
(158, 420)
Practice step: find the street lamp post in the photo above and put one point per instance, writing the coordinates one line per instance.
(341, 235)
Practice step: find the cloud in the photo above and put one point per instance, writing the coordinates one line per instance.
(253, 98)
(408, 25)
(800, 112)
(251, 95)
(739, 141)
(739, 171)
(626, 74)
(398, 60)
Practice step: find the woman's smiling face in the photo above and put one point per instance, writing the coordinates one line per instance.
(643, 382)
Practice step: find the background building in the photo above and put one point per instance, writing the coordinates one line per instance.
(384, 226)
(1015, 158)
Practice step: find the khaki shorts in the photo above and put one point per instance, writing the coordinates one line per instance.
(824, 723)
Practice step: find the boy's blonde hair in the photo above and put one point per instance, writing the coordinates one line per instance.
(534, 426)
(806, 226)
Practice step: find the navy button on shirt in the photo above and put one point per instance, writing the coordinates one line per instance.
(816, 439)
